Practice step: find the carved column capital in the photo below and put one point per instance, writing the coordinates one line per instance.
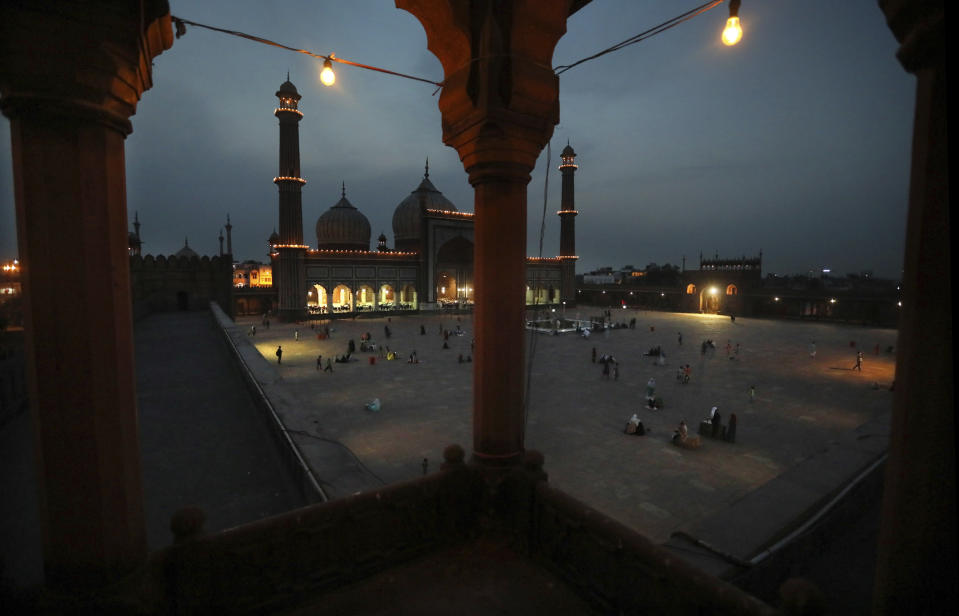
(919, 26)
(85, 60)
(500, 97)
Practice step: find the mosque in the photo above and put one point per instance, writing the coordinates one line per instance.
(429, 266)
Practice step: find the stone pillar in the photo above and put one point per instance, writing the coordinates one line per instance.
(70, 77)
(917, 569)
(499, 104)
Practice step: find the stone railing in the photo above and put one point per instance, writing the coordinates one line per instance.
(266, 565)
(620, 571)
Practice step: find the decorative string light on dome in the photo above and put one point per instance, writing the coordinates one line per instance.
(450, 213)
(326, 76)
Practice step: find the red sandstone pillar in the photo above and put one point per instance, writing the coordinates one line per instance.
(70, 77)
(917, 570)
(500, 102)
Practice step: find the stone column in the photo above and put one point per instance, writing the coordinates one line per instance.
(499, 104)
(70, 77)
(917, 569)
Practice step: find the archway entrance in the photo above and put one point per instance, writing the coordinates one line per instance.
(342, 299)
(709, 300)
(454, 272)
(387, 298)
(408, 298)
(316, 299)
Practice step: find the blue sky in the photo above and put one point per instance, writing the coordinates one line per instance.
(795, 142)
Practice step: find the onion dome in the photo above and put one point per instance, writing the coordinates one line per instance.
(408, 215)
(186, 251)
(343, 227)
(568, 152)
(274, 239)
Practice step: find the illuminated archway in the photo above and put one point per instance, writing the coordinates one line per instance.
(732, 290)
(364, 297)
(342, 299)
(709, 300)
(690, 289)
(446, 291)
(408, 298)
(387, 297)
(316, 299)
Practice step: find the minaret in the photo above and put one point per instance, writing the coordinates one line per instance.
(136, 226)
(221, 241)
(567, 232)
(289, 270)
(229, 236)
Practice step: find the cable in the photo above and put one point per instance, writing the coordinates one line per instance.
(532, 331)
(181, 30)
(642, 36)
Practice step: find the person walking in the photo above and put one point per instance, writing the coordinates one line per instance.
(680, 335)
(752, 393)
(296, 335)
(606, 370)
(858, 365)
(812, 349)
(329, 366)
(319, 362)
(279, 354)
(594, 355)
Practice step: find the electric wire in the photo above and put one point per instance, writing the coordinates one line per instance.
(532, 331)
(642, 36)
(181, 29)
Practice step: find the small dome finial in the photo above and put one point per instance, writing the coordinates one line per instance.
(343, 190)
(427, 173)
(287, 75)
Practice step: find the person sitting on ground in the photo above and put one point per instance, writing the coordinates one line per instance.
(374, 405)
(446, 344)
(634, 425)
(681, 433)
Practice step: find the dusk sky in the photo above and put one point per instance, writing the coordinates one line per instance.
(795, 142)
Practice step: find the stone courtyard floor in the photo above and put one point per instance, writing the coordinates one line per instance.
(804, 407)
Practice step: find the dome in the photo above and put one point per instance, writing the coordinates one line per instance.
(186, 251)
(287, 89)
(568, 151)
(343, 227)
(274, 238)
(408, 215)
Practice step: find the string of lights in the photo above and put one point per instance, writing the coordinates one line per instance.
(642, 36)
(731, 35)
(181, 24)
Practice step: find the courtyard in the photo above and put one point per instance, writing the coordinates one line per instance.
(806, 409)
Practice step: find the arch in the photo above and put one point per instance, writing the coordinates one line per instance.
(690, 289)
(732, 290)
(342, 298)
(316, 299)
(446, 289)
(408, 298)
(457, 250)
(364, 297)
(454, 272)
(709, 300)
(386, 297)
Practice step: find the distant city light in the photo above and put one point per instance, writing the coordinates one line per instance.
(775, 299)
(826, 270)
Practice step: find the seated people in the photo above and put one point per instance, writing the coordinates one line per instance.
(634, 425)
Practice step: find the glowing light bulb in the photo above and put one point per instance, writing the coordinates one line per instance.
(327, 76)
(733, 32)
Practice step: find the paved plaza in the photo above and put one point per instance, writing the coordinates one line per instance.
(813, 425)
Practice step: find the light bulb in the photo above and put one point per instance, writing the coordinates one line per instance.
(327, 76)
(733, 32)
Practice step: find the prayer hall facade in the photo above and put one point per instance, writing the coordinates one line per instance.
(429, 266)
